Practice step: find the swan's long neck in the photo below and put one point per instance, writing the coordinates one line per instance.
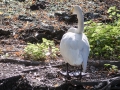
(80, 22)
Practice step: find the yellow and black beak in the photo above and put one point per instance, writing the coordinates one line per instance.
(72, 9)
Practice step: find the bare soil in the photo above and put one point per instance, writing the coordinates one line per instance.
(17, 73)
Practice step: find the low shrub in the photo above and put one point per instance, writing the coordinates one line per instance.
(104, 40)
(40, 51)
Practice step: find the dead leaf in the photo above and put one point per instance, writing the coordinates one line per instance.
(18, 53)
(1, 13)
(1, 51)
(15, 36)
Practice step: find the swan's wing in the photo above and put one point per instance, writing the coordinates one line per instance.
(70, 46)
(72, 41)
(72, 29)
(85, 52)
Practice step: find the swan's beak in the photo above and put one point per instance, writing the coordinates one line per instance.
(72, 9)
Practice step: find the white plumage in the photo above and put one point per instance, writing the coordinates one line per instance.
(74, 45)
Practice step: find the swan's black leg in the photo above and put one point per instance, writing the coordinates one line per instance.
(68, 77)
(80, 76)
(67, 71)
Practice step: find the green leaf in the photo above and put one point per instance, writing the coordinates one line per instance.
(38, 51)
(107, 65)
(113, 13)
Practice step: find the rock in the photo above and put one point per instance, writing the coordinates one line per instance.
(88, 16)
(107, 20)
(40, 36)
(4, 32)
(67, 18)
(35, 35)
(70, 19)
(31, 39)
(60, 13)
(38, 5)
(96, 15)
(62, 16)
(58, 34)
(21, 0)
(101, 0)
(100, 85)
(26, 18)
(101, 12)
(9, 83)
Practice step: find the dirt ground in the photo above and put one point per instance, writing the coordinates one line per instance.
(17, 73)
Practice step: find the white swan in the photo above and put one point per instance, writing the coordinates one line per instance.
(74, 45)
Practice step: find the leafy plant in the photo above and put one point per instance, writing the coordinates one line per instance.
(111, 68)
(104, 40)
(114, 68)
(114, 12)
(107, 65)
(41, 51)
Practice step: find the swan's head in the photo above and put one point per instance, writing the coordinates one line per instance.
(76, 9)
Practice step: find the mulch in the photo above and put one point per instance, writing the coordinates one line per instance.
(16, 73)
